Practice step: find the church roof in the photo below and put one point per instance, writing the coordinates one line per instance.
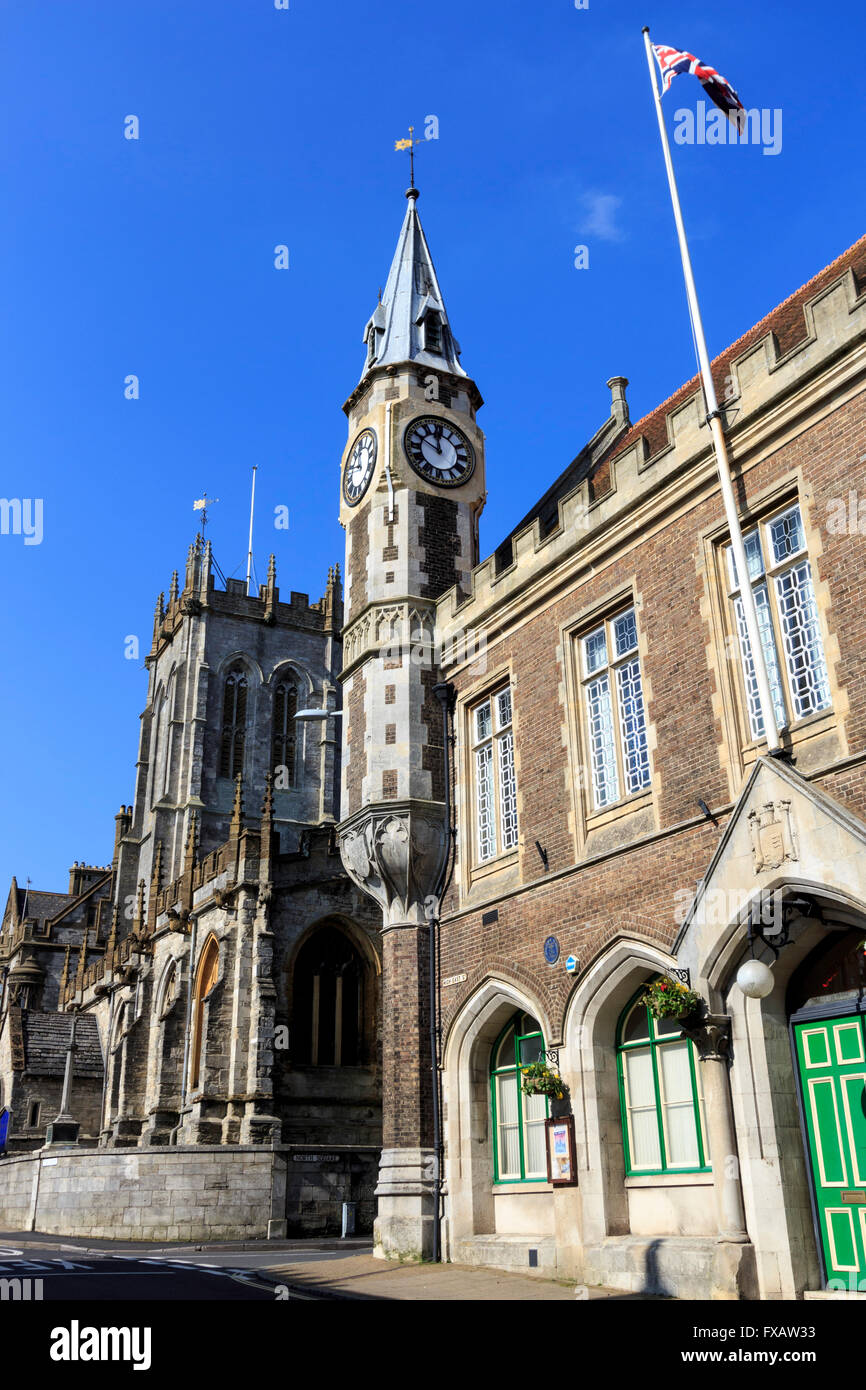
(46, 1038)
(395, 334)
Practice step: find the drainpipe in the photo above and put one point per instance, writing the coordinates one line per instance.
(447, 697)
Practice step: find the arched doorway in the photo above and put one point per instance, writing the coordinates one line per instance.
(826, 1006)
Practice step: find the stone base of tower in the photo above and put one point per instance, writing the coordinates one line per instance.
(403, 1229)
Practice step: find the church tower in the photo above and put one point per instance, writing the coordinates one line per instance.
(412, 489)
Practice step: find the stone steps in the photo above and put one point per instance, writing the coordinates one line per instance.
(511, 1252)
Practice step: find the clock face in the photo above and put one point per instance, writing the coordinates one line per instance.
(359, 467)
(439, 451)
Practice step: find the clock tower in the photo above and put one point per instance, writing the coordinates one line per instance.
(411, 491)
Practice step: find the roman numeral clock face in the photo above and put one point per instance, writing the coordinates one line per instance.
(359, 467)
(438, 451)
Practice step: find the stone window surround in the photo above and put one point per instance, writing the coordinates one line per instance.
(585, 818)
(469, 871)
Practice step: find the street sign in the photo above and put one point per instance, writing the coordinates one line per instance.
(571, 964)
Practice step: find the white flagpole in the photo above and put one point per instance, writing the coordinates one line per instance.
(252, 505)
(771, 731)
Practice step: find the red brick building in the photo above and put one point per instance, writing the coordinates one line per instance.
(617, 819)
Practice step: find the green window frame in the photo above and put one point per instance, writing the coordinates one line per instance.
(659, 1075)
(519, 1133)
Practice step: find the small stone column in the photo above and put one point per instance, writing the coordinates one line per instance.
(712, 1037)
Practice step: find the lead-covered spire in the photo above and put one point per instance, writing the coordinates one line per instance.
(410, 323)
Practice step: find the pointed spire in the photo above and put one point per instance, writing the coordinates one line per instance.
(267, 821)
(64, 978)
(236, 824)
(189, 853)
(140, 919)
(173, 591)
(409, 323)
(111, 943)
(158, 615)
(82, 961)
(272, 593)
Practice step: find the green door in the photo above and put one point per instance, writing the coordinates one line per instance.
(831, 1055)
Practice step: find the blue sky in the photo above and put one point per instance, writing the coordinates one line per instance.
(261, 127)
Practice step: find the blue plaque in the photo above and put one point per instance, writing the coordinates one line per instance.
(551, 950)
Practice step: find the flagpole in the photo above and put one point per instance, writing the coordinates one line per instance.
(252, 508)
(750, 612)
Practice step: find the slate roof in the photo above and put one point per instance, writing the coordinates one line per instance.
(46, 1038)
(412, 290)
(41, 905)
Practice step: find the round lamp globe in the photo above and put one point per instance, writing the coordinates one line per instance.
(755, 979)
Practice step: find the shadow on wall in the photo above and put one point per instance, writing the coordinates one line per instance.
(652, 1277)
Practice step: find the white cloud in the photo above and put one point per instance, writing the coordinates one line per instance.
(599, 216)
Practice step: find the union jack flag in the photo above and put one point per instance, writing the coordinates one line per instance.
(674, 60)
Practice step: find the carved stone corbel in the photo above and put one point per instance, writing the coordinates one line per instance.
(395, 855)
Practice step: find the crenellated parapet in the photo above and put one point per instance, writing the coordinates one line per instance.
(811, 346)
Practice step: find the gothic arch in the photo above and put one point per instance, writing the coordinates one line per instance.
(466, 1095)
(345, 989)
(588, 1062)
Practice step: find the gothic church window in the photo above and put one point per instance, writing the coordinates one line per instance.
(616, 730)
(285, 739)
(781, 578)
(234, 720)
(206, 978)
(519, 1149)
(664, 1126)
(494, 776)
(328, 1001)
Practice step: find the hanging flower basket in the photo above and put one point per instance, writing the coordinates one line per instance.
(670, 999)
(539, 1080)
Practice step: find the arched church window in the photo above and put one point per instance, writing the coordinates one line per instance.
(664, 1127)
(234, 723)
(285, 739)
(328, 1001)
(518, 1120)
(168, 993)
(205, 979)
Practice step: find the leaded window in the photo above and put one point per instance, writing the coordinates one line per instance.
(495, 780)
(614, 708)
(519, 1149)
(781, 578)
(661, 1099)
(285, 739)
(234, 723)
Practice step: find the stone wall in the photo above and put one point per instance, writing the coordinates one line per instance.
(187, 1194)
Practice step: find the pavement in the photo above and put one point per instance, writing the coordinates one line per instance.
(265, 1271)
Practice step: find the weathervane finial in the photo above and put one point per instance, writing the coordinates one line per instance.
(411, 191)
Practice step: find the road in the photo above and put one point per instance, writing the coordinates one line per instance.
(144, 1274)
